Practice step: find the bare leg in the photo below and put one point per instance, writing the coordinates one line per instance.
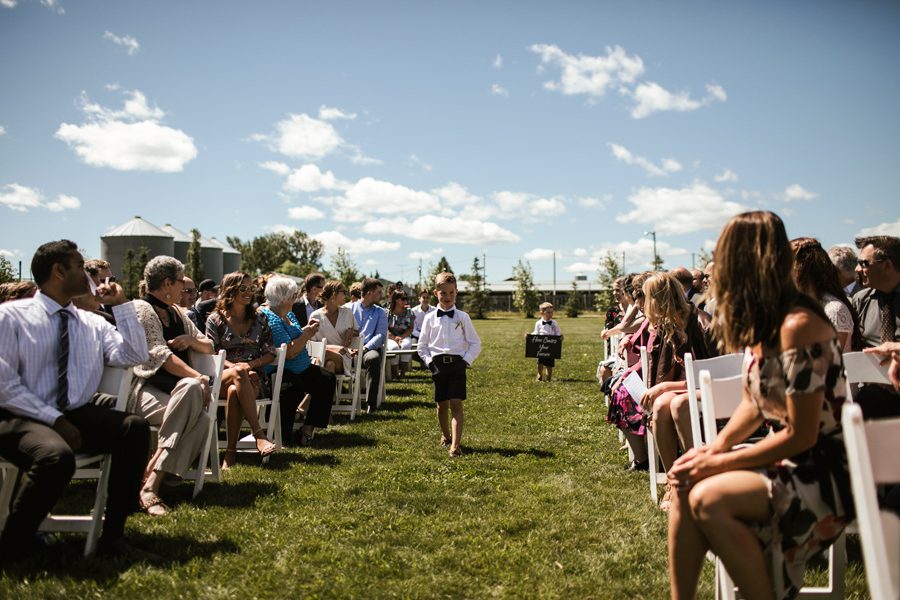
(687, 548)
(443, 415)
(638, 445)
(549, 374)
(664, 429)
(456, 410)
(721, 506)
(681, 416)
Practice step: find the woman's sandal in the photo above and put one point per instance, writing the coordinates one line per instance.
(445, 441)
(154, 507)
(260, 435)
(666, 501)
(455, 452)
(230, 459)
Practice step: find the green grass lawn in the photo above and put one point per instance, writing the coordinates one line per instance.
(539, 506)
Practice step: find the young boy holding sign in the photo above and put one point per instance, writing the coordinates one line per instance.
(448, 344)
(546, 326)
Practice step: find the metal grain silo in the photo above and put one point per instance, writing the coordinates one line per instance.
(182, 242)
(231, 258)
(211, 255)
(135, 235)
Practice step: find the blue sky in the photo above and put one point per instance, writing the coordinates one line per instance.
(404, 131)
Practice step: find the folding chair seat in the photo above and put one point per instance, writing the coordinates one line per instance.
(727, 365)
(115, 381)
(657, 474)
(720, 397)
(269, 420)
(348, 384)
(364, 383)
(872, 450)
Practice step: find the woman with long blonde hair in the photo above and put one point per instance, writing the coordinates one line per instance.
(786, 497)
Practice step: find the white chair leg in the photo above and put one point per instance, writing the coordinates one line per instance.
(97, 514)
(653, 463)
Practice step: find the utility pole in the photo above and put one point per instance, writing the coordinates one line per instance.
(484, 272)
(420, 275)
(623, 263)
(693, 266)
(554, 276)
(655, 262)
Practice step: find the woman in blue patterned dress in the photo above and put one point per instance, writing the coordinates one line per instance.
(765, 509)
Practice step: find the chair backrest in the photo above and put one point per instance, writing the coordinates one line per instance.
(278, 375)
(316, 351)
(726, 365)
(719, 397)
(872, 450)
(211, 365)
(865, 368)
(645, 368)
(116, 381)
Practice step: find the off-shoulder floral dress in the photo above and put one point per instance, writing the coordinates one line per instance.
(810, 492)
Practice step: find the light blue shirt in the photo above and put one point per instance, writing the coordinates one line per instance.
(373, 324)
(29, 346)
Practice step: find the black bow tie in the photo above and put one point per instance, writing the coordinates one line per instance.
(448, 313)
(546, 322)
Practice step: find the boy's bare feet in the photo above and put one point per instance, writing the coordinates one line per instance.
(455, 452)
(539, 378)
(230, 459)
(445, 441)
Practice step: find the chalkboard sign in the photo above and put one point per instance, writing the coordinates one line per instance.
(543, 346)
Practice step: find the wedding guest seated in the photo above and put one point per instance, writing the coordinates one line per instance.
(188, 294)
(247, 340)
(167, 391)
(791, 488)
(355, 293)
(300, 377)
(51, 361)
(633, 317)
(816, 276)
(685, 278)
(17, 290)
(419, 311)
(844, 260)
(309, 301)
(205, 303)
(337, 327)
(372, 320)
(99, 271)
(400, 328)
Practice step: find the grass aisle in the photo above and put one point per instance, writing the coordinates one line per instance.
(538, 506)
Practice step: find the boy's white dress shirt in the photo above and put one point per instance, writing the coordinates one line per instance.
(546, 328)
(419, 315)
(448, 335)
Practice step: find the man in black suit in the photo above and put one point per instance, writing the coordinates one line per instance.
(309, 301)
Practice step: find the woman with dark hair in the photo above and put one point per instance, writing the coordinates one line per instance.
(786, 497)
(400, 328)
(337, 326)
(633, 317)
(817, 277)
(247, 340)
(166, 389)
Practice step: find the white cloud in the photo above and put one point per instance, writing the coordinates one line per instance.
(22, 198)
(591, 75)
(674, 211)
(579, 252)
(426, 254)
(499, 90)
(589, 202)
(8, 253)
(666, 167)
(497, 62)
(430, 227)
(64, 202)
(358, 158)
(650, 97)
(309, 178)
(335, 239)
(54, 6)
(546, 207)
(418, 162)
(511, 201)
(881, 229)
(638, 255)
(276, 167)
(798, 192)
(2, 130)
(302, 136)
(540, 254)
(373, 196)
(281, 228)
(305, 213)
(454, 194)
(127, 42)
(727, 176)
(330, 113)
(581, 267)
(8, 3)
(131, 139)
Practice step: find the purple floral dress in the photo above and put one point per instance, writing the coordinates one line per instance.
(809, 493)
(257, 342)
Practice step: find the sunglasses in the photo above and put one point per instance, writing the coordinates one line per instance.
(865, 264)
(188, 290)
(248, 288)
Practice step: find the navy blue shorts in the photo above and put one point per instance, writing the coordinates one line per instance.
(448, 372)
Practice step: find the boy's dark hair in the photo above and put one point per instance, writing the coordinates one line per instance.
(48, 255)
(313, 280)
(444, 277)
(369, 284)
(887, 247)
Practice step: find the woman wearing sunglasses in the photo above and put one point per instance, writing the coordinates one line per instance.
(247, 340)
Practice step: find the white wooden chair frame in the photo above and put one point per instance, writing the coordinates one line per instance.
(657, 474)
(208, 467)
(872, 450)
(115, 381)
(727, 365)
(348, 385)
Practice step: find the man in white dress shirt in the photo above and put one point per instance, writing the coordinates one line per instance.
(52, 357)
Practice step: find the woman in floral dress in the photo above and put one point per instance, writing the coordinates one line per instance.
(784, 499)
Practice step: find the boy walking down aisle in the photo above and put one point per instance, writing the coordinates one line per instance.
(448, 344)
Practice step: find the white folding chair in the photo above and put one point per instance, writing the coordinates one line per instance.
(316, 351)
(720, 397)
(115, 381)
(727, 365)
(208, 467)
(657, 475)
(272, 424)
(348, 384)
(863, 368)
(872, 450)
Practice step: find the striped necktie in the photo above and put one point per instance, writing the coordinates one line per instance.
(62, 378)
